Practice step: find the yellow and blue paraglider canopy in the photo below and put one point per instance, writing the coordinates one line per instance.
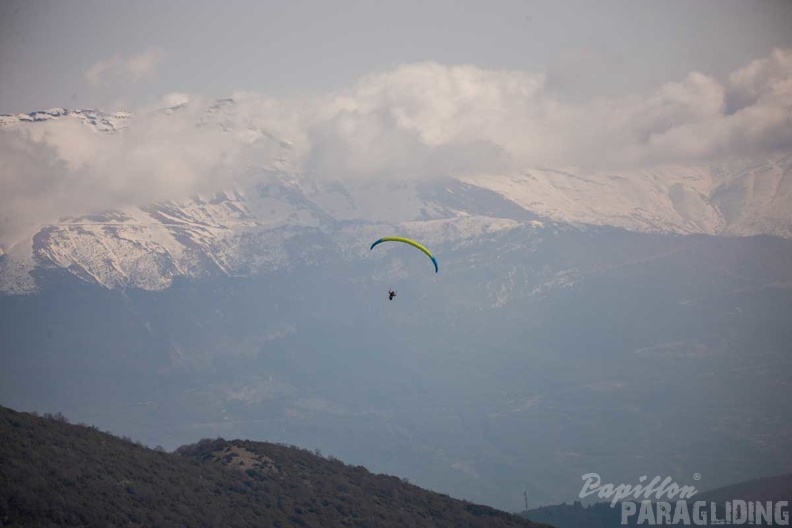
(407, 241)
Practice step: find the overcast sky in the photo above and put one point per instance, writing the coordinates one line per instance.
(103, 53)
(378, 90)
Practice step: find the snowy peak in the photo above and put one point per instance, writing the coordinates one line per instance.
(244, 232)
(271, 214)
(96, 119)
(736, 198)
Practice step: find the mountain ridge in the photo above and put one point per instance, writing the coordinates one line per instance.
(245, 227)
(55, 472)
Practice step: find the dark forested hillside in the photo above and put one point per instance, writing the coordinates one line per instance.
(54, 473)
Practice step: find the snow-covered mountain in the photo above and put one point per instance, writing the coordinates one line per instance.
(108, 122)
(750, 197)
(247, 228)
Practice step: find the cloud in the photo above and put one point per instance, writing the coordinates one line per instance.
(373, 145)
(95, 73)
(63, 168)
(142, 65)
(750, 116)
(422, 120)
(466, 119)
(120, 69)
(416, 121)
(30, 173)
(762, 77)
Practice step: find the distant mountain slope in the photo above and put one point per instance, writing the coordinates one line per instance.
(54, 473)
(777, 488)
(736, 198)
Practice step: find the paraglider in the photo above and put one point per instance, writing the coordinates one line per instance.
(412, 243)
(392, 293)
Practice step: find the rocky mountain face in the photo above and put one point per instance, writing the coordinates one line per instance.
(248, 232)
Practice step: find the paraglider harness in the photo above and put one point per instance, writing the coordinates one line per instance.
(391, 295)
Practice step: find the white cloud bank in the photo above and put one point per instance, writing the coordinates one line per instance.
(519, 117)
(417, 121)
(124, 69)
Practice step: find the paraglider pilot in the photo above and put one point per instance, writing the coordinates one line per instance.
(391, 295)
